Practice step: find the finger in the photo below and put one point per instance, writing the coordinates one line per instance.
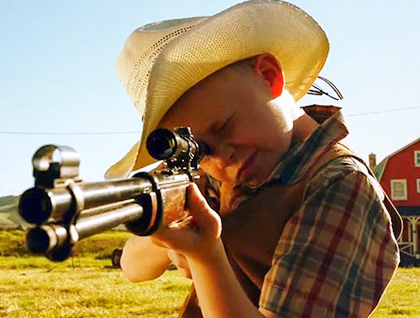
(204, 217)
(174, 236)
(196, 203)
(187, 221)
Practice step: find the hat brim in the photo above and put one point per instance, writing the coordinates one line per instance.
(240, 32)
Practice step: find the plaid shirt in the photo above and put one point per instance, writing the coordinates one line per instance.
(337, 253)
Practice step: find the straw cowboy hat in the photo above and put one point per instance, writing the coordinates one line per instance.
(161, 61)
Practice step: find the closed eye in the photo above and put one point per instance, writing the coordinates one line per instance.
(221, 128)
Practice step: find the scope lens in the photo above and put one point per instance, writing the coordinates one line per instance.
(161, 144)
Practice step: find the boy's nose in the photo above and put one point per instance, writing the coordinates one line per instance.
(223, 156)
(220, 163)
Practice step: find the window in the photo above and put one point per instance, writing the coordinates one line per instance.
(417, 158)
(399, 189)
(418, 185)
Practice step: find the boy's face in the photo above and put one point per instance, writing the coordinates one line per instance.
(231, 112)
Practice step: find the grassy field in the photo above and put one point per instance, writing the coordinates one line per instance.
(83, 286)
(402, 298)
(87, 286)
(94, 291)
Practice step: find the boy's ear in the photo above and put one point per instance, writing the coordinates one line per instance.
(269, 69)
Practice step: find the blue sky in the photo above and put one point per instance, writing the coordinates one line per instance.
(58, 83)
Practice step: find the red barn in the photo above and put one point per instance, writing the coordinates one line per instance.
(399, 175)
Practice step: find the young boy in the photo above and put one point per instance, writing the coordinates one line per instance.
(295, 224)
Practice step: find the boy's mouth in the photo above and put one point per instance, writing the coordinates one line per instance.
(247, 169)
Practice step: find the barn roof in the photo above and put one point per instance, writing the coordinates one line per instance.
(380, 168)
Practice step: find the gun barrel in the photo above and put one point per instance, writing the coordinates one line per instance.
(47, 237)
(55, 238)
(40, 205)
(63, 209)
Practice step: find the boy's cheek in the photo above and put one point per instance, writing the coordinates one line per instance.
(223, 175)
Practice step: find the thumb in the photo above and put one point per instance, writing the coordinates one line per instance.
(204, 216)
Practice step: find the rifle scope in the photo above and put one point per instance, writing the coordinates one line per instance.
(164, 144)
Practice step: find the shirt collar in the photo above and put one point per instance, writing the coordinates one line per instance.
(296, 162)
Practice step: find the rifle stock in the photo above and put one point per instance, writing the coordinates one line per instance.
(63, 209)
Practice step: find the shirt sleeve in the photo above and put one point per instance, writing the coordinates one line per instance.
(336, 255)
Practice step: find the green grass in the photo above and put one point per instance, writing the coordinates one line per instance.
(87, 286)
(12, 243)
(402, 298)
(83, 286)
(92, 291)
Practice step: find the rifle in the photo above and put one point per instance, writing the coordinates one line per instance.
(63, 209)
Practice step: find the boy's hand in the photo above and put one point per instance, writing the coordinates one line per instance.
(196, 235)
